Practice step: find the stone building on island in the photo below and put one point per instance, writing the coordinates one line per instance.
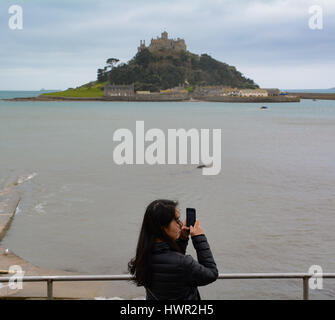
(112, 90)
(222, 91)
(164, 43)
(253, 93)
(273, 92)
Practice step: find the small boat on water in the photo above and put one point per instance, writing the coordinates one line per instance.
(264, 107)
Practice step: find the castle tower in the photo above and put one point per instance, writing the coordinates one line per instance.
(164, 44)
(142, 45)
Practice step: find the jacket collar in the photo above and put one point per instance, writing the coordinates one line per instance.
(160, 247)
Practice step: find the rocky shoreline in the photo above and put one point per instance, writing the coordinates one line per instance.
(167, 98)
(156, 97)
(271, 99)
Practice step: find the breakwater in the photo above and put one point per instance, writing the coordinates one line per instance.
(9, 202)
(316, 96)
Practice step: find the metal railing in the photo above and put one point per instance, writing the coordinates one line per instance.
(51, 279)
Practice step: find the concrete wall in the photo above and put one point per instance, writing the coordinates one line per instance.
(151, 97)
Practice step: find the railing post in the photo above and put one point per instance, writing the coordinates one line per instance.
(305, 288)
(50, 285)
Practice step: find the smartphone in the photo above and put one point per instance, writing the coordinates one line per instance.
(190, 217)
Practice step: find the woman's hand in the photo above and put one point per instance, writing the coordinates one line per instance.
(185, 231)
(196, 230)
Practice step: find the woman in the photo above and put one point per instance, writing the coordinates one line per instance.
(160, 264)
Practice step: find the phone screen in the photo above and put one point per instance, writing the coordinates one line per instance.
(190, 216)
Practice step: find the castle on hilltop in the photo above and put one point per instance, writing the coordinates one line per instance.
(164, 43)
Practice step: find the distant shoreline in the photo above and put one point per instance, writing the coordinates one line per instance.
(317, 96)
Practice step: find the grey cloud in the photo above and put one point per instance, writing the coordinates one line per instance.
(70, 34)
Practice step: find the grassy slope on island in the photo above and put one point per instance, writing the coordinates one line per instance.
(89, 90)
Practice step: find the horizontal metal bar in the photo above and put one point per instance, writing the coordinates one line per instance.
(274, 275)
(130, 277)
(71, 278)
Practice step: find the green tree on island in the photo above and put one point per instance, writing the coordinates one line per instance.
(165, 70)
(111, 62)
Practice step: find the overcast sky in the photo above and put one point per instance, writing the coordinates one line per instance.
(64, 42)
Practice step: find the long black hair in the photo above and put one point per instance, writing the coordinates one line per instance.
(158, 215)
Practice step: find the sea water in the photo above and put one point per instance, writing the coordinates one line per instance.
(271, 208)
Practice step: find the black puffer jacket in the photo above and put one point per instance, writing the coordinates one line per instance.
(176, 276)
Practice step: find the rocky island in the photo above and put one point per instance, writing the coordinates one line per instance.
(166, 71)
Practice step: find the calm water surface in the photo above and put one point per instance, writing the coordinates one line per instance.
(271, 209)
